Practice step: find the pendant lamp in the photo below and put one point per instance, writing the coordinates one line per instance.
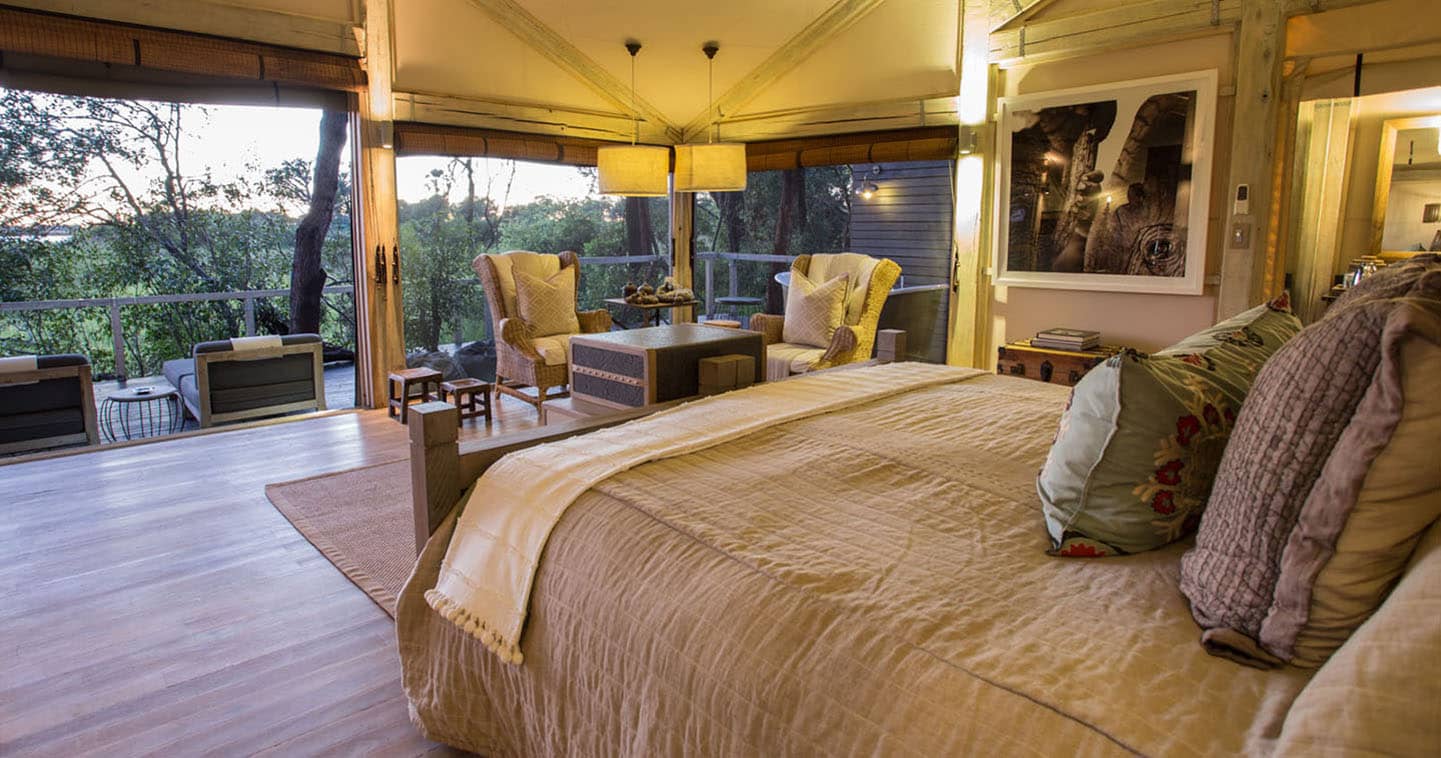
(710, 166)
(633, 170)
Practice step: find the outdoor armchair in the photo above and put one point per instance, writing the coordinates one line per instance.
(869, 285)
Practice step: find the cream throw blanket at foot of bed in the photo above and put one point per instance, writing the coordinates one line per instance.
(485, 579)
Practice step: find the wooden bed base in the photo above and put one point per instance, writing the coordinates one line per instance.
(441, 468)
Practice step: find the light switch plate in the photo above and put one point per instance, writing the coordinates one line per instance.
(1240, 235)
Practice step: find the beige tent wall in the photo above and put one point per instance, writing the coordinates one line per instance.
(1142, 321)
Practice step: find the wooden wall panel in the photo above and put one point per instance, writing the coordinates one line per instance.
(910, 220)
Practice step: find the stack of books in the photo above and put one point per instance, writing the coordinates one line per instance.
(1067, 339)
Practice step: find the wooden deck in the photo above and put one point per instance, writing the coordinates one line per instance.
(155, 602)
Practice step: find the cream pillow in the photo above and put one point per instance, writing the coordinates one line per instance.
(814, 311)
(547, 306)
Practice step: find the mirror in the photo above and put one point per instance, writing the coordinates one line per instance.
(1407, 215)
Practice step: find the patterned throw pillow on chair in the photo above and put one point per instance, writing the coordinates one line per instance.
(814, 311)
(547, 306)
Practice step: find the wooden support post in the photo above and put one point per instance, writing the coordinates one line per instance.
(709, 288)
(250, 317)
(434, 465)
(117, 340)
(891, 345)
(969, 333)
(682, 218)
(1258, 88)
(380, 335)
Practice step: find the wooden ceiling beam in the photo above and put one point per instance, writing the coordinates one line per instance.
(1022, 16)
(836, 19)
(544, 40)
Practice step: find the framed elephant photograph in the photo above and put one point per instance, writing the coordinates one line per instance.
(1107, 187)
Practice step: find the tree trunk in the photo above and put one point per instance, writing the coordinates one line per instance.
(731, 205)
(307, 274)
(792, 184)
(638, 237)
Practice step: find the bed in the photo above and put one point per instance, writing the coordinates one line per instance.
(871, 580)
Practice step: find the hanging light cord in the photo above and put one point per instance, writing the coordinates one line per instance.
(635, 137)
(710, 95)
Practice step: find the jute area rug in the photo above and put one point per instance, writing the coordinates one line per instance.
(360, 520)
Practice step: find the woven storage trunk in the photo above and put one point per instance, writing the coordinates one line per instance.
(639, 367)
(1049, 365)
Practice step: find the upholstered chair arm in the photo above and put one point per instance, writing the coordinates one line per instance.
(843, 343)
(770, 325)
(516, 334)
(593, 322)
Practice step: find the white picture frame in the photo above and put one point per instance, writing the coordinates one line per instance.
(1143, 244)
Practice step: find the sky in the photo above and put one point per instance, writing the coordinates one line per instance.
(230, 138)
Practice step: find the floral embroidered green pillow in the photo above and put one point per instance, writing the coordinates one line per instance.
(1142, 436)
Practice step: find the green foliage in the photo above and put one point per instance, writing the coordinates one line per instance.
(821, 225)
(109, 172)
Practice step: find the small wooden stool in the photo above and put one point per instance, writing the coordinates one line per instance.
(471, 397)
(398, 386)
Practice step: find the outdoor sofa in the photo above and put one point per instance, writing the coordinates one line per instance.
(250, 377)
(46, 401)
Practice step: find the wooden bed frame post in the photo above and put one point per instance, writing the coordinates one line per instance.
(434, 465)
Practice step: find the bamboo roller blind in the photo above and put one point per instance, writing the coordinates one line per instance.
(922, 144)
(431, 139)
(71, 38)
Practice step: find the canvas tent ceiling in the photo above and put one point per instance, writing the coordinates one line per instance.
(560, 67)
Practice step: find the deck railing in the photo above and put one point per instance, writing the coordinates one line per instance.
(732, 261)
(114, 304)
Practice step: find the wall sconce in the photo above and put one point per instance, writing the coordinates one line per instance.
(385, 134)
(969, 141)
(867, 189)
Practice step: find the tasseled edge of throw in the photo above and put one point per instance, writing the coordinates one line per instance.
(504, 649)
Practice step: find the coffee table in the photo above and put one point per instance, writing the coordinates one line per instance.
(649, 311)
(639, 367)
(137, 412)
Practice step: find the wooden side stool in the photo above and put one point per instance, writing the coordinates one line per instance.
(398, 386)
(471, 397)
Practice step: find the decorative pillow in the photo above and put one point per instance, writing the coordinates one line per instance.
(1142, 435)
(547, 306)
(814, 311)
(1327, 483)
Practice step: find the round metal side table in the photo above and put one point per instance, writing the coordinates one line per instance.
(137, 412)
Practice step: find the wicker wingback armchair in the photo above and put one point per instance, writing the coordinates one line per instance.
(522, 359)
(854, 340)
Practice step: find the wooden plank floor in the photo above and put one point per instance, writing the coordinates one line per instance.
(153, 601)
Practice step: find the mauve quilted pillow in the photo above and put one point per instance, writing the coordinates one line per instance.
(1277, 574)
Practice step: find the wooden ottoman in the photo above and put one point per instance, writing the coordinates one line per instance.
(398, 385)
(640, 367)
(471, 397)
